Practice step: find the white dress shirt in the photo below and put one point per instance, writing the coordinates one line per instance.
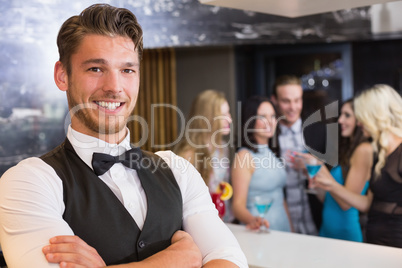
(31, 204)
(291, 139)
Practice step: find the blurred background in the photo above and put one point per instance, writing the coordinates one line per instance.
(190, 47)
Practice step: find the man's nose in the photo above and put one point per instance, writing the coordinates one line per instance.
(112, 82)
(293, 106)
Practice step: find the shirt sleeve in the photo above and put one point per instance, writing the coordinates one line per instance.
(200, 218)
(31, 209)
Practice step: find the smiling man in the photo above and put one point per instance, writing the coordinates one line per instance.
(90, 202)
(288, 98)
(102, 89)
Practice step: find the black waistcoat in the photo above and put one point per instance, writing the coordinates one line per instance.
(97, 216)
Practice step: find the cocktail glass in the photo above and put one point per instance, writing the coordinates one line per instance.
(263, 204)
(312, 167)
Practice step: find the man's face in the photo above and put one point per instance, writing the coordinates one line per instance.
(103, 84)
(289, 102)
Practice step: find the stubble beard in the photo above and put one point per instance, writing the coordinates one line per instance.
(102, 124)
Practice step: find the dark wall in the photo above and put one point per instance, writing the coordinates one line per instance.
(258, 66)
(202, 68)
(377, 62)
(370, 62)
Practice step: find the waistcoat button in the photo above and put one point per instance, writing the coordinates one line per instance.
(141, 244)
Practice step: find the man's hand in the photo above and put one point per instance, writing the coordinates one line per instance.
(183, 252)
(183, 244)
(73, 252)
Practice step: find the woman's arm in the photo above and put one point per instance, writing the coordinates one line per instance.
(359, 172)
(350, 195)
(242, 170)
(358, 201)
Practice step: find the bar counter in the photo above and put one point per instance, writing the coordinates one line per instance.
(287, 250)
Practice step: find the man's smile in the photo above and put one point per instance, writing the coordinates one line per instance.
(109, 105)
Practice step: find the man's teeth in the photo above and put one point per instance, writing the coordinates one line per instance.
(109, 105)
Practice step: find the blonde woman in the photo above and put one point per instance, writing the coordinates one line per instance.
(203, 145)
(379, 110)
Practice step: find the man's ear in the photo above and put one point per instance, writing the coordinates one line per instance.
(60, 76)
(274, 100)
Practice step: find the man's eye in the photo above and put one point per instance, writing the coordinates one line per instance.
(94, 69)
(128, 71)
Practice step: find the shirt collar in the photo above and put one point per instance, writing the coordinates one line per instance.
(295, 128)
(85, 145)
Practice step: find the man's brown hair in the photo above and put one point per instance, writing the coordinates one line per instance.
(100, 19)
(285, 80)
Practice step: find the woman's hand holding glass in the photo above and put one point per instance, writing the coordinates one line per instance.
(311, 166)
(294, 159)
(257, 223)
(262, 204)
(324, 179)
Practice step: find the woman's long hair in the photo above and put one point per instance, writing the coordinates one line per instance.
(248, 119)
(379, 109)
(347, 145)
(204, 111)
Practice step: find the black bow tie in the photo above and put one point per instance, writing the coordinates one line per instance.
(103, 162)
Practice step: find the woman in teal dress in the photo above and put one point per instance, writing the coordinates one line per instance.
(257, 171)
(339, 223)
(340, 220)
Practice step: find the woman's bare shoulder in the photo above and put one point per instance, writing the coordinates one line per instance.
(364, 148)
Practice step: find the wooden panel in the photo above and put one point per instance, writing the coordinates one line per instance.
(158, 86)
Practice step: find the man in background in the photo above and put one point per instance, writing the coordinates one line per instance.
(288, 98)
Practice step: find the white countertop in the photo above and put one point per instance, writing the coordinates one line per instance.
(280, 249)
